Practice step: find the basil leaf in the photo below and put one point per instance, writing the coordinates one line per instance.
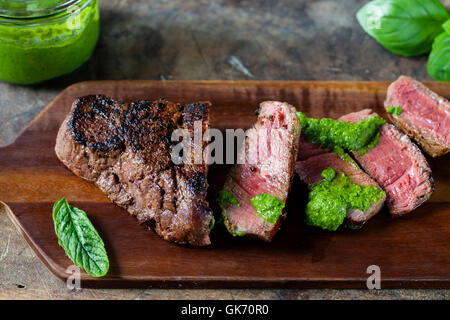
(404, 27)
(446, 26)
(439, 61)
(79, 239)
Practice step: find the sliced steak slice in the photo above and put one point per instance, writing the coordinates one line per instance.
(267, 166)
(425, 115)
(125, 149)
(312, 160)
(307, 150)
(397, 165)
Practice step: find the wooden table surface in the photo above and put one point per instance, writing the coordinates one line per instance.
(202, 39)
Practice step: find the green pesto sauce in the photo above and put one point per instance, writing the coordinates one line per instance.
(42, 50)
(344, 156)
(328, 174)
(330, 199)
(333, 134)
(268, 207)
(396, 111)
(226, 197)
(372, 144)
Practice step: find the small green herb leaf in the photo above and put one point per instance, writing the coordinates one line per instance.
(446, 26)
(439, 61)
(396, 111)
(79, 239)
(225, 197)
(268, 207)
(404, 27)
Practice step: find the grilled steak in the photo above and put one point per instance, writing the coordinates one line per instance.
(124, 149)
(397, 165)
(312, 160)
(425, 115)
(267, 166)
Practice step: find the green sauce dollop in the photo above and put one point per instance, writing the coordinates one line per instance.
(396, 111)
(333, 134)
(268, 207)
(225, 197)
(330, 199)
(344, 156)
(328, 174)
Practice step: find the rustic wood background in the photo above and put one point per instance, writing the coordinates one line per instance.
(201, 39)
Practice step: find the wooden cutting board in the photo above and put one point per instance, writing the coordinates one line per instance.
(412, 251)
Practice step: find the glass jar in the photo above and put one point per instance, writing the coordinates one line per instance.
(44, 39)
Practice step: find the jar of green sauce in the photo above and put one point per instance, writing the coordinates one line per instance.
(44, 39)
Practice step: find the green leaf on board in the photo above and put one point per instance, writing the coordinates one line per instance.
(79, 239)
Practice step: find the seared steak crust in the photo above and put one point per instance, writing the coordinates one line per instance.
(428, 144)
(125, 149)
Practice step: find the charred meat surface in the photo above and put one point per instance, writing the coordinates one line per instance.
(256, 188)
(312, 160)
(397, 165)
(424, 115)
(125, 150)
